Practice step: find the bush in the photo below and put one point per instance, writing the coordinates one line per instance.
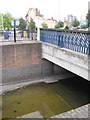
(66, 27)
(44, 25)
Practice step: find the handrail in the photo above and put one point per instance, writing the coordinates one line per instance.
(78, 41)
(63, 30)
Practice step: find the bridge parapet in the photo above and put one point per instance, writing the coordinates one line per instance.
(78, 41)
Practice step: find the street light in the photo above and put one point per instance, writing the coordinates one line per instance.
(14, 23)
(59, 12)
(14, 30)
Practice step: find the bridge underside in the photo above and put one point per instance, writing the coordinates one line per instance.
(72, 61)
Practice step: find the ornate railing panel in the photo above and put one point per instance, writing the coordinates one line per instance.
(78, 41)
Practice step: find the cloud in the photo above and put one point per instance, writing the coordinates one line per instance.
(49, 8)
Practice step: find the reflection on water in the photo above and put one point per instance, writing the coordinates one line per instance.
(48, 99)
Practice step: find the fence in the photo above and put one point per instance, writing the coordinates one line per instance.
(20, 35)
(78, 41)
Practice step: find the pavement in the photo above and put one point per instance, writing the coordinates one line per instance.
(21, 41)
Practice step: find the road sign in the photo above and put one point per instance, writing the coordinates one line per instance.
(12, 23)
(83, 22)
(16, 22)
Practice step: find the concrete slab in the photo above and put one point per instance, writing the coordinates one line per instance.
(33, 115)
(49, 79)
(11, 42)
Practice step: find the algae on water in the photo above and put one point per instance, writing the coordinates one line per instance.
(48, 99)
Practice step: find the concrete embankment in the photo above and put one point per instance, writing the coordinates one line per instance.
(22, 62)
(48, 79)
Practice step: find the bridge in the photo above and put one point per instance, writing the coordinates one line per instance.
(21, 63)
(68, 49)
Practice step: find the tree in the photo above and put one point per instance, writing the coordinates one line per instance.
(7, 18)
(75, 23)
(66, 27)
(60, 24)
(1, 17)
(44, 25)
(32, 25)
(88, 18)
(22, 24)
(84, 26)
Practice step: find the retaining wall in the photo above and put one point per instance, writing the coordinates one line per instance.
(24, 61)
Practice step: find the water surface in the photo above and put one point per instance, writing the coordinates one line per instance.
(48, 99)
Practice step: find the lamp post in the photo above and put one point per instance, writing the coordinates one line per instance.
(14, 23)
(59, 12)
(14, 30)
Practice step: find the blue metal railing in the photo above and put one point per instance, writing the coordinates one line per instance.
(78, 41)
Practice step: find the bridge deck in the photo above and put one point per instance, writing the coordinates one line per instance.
(75, 62)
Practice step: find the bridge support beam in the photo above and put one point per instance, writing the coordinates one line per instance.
(75, 62)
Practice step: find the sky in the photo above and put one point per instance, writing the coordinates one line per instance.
(58, 9)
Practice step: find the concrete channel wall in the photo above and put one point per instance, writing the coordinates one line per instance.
(24, 61)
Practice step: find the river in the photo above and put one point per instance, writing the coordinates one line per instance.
(48, 98)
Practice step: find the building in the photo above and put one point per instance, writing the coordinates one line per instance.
(38, 18)
(68, 21)
(70, 18)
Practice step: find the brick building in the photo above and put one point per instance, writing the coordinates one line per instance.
(38, 18)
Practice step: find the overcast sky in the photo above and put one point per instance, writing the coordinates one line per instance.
(49, 8)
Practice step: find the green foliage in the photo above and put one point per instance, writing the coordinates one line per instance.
(44, 25)
(1, 15)
(84, 26)
(60, 24)
(32, 25)
(6, 20)
(75, 23)
(66, 27)
(22, 24)
(88, 18)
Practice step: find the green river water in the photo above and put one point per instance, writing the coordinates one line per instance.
(49, 99)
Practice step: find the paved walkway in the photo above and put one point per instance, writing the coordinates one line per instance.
(11, 42)
(81, 112)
